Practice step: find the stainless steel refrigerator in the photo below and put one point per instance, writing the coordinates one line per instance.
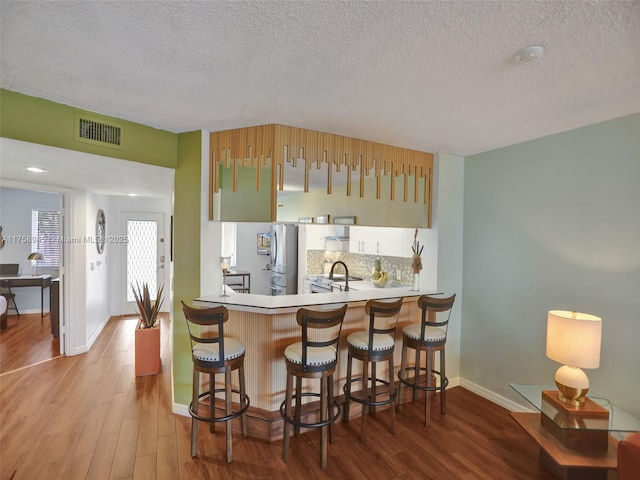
(284, 259)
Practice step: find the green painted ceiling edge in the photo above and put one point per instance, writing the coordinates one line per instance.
(41, 121)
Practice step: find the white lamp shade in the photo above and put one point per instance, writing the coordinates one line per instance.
(574, 338)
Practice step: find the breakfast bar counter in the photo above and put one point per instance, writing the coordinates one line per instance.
(267, 325)
(273, 305)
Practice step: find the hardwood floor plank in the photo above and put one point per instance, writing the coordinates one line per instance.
(135, 396)
(166, 418)
(102, 459)
(93, 422)
(123, 384)
(26, 341)
(146, 468)
(188, 467)
(124, 457)
(167, 457)
(77, 467)
(115, 414)
(148, 434)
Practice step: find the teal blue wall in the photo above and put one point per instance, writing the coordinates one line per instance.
(553, 223)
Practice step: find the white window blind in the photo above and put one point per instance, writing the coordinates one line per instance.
(45, 231)
(229, 242)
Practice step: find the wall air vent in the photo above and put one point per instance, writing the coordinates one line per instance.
(98, 132)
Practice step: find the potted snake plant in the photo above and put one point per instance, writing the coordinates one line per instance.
(147, 334)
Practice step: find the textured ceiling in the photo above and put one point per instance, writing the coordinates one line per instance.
(433, 76)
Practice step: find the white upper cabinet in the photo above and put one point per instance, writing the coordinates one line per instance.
(384, 241)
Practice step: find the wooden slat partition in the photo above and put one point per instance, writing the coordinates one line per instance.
(277, 145)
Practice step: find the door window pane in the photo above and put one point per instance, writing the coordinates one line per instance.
(142, 256)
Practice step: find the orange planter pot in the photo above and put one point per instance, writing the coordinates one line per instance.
(147, 351)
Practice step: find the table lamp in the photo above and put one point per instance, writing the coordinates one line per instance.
(225, 263)
(573, 339)
(34, 257)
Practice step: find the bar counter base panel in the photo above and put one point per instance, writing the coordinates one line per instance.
(269, 426)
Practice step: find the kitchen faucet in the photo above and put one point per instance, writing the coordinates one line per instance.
(346, 274)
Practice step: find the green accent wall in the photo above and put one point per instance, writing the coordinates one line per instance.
(246, 204)
(368, 210)
(35, 120)
(186, 257)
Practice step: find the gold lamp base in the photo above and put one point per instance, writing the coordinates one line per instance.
(572, 384)
(571, 395)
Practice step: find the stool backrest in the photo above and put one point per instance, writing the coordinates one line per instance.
(213, 317)
(431, 308)
(313, 320)
(377, 309)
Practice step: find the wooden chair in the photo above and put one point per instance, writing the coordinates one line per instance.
(3, 312)
(6, 292)
(212, 354)
(429, 336)
(370, 347)
(315, 357)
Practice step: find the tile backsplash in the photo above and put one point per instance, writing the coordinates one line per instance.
(360, 265)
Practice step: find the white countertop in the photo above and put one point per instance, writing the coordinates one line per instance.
(265, 304)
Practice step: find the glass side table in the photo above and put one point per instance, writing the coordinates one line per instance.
(575, 443)
(619, 420)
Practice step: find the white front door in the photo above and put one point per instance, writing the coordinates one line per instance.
(144, 261)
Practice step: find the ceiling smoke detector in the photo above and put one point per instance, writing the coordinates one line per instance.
(528, 54)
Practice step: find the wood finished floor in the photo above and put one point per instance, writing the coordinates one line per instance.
(26, 340)
(88, 416)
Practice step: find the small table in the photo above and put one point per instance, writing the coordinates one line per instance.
(240, 280)
(42, 281)
(579, 448)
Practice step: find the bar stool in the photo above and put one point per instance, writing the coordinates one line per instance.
(372, 346)
(315, 357)
(213, 353)
(430, 335)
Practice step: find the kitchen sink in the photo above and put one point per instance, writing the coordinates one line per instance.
(342, 279)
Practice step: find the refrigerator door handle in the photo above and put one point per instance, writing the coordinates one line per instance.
(274, 250)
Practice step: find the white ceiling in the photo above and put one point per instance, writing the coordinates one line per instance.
(77, 170)
(428, 75)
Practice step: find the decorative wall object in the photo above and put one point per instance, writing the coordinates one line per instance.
(100, 231)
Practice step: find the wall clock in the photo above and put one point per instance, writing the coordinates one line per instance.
(100, 231)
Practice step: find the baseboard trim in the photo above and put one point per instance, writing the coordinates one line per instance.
(495, 398)
(180, 409)
(98, 331)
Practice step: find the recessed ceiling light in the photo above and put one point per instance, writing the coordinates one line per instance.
(36, 169)
(528, 54)
(132, 194)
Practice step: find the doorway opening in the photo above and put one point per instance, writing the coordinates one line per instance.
(33, 226)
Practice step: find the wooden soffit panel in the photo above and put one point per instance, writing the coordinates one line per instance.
(274, 145)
